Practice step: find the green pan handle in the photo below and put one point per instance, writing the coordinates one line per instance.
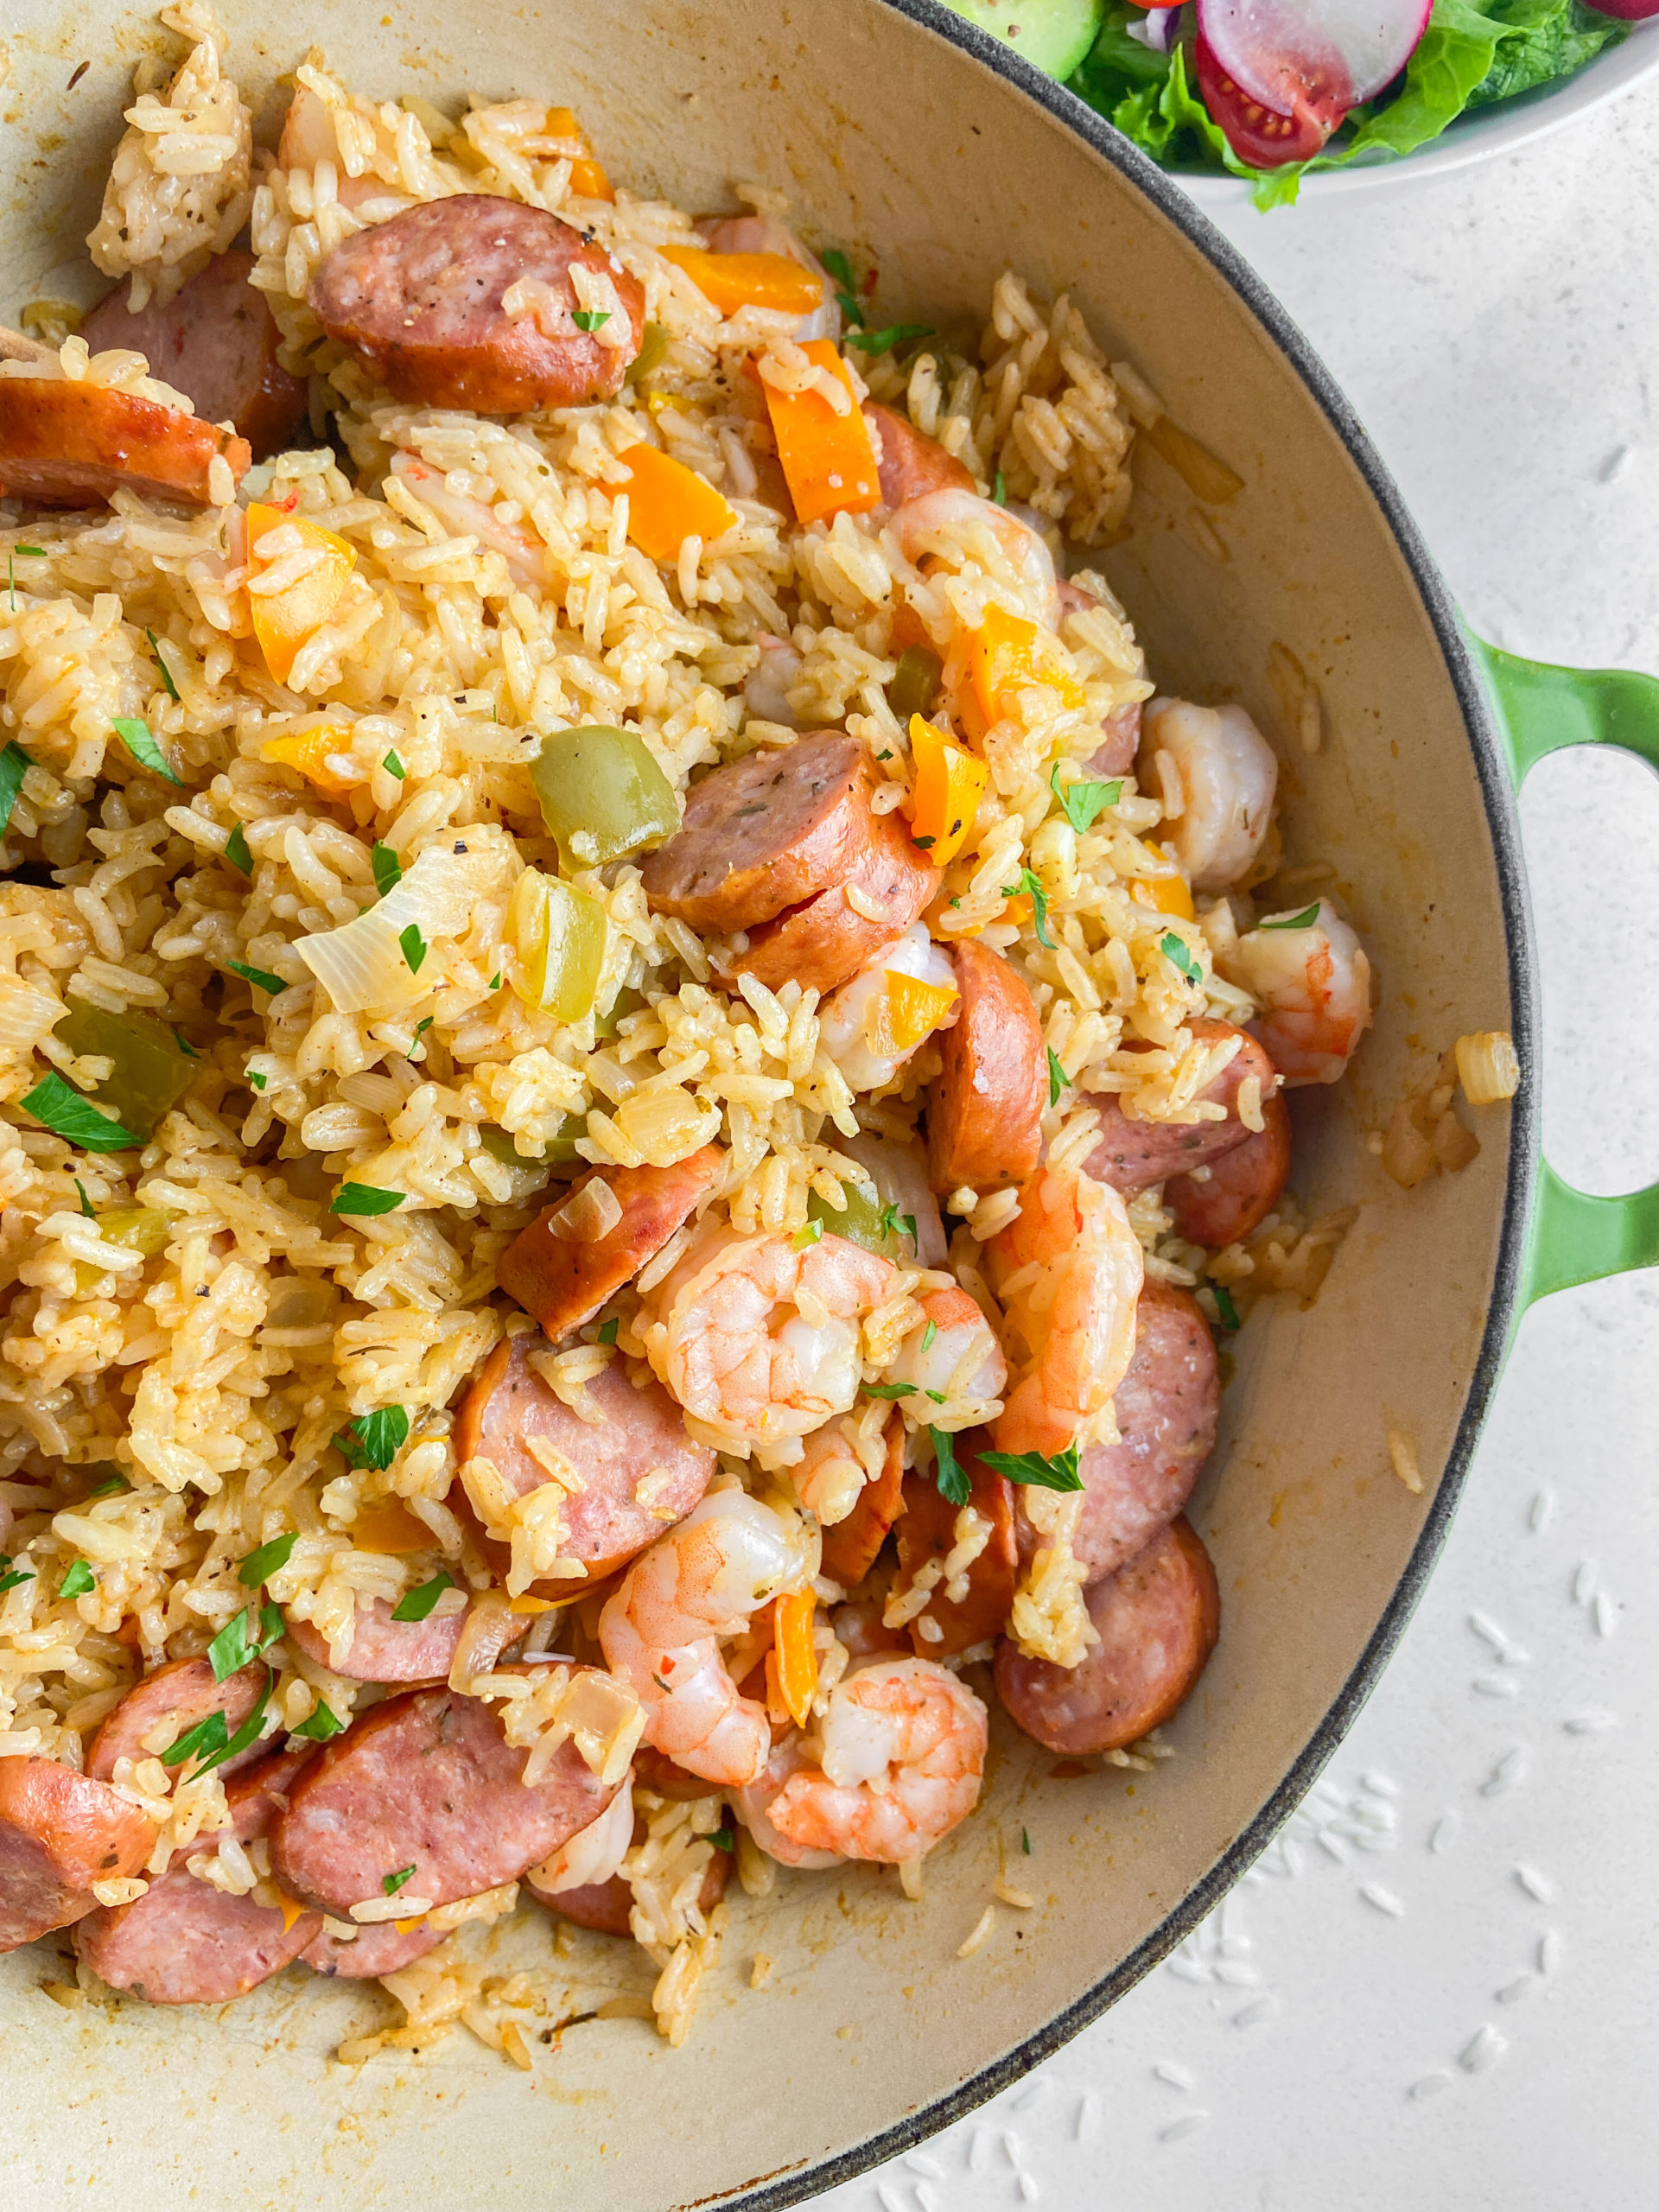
(1575, 1238)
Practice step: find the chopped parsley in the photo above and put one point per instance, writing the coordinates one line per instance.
(13, 1575)
(874, 343)
(928, 1335)
(388, 869)
(76, 1119)
(321, 1727)
(78, 1580)
(1081, 802)
(608, 1330)
(841, 270)
(235, 850)
(167, 673)
(242, 1638)
(262, 977)
(495, 981)
(1305, 920)
(366, 1198)
(1030, 1468)
(87, 1212)
(413, 947)
(1225, 1307)
(419, 1603)
(1000, 491)
(15, 764)
(208, 1741)
(590, 318)
(1025, 1843)
(392, 1883)
(893, 1220)
(255, 1078)
(394, 766)
(947, 1473)
(257, 1566)
(374, 1439)
(111, 1487)
(185, 1045)
(808, 1233)
(723, 1838)
(1057, 1078)
(1175, 952)
(134, 733)
(1029, 888)
(33, 552)
(888, 1389)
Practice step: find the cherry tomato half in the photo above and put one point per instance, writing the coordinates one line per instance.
(1260, 136)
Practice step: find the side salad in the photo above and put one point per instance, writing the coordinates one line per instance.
(1272, 89)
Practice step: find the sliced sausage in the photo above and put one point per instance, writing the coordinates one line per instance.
(985, 1111)
(564, 1282)
(187, 1942)
(604, 1906)
(1132, 1155)
(641, 1439)
(60, 1833)
(850, 1546)
(216, 342)
(427, 1780)
(765, 833)
(912, 462)
(1167, 1406)
(928, 1531)
(418, 300)
(822, 943)
(1238, 1190)
(385, 1650)
(71, 445)
(1158, 1619)
(383, 1949)
(162, 1707)
(1120, 731)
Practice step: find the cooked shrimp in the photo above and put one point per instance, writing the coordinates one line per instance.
(593, 1853)
(766, 691)
(1313, 985)
(752, 1806)
(951, 1360)
(758, 1338)
(660, 1630)
(870, 1030)
(1068, 1270)
(310, 142)
(955, 524)
(904, 1750)
(1227, 776)
(466, 517)
(766, 234)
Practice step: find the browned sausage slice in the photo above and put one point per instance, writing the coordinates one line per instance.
(1240, 1189)
(604, 1906)
(765, 833)
(383, 1949)
(822, 943)
(985, 1112)
(418, 300)
(564, 1282)
(1158, 1619)
(186, 1941)
(860, 1628)
(1131, 1156)
(60, 1833)
(912, 462)
(385, 1650)
(70, 445)
(850, 1546)
(1167, 1406)
(162, 1707)
(427, 1780)
(1119, 735)
(928, 1531)
(641, 1441)
(216, 342)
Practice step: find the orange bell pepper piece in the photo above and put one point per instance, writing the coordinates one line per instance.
(1168, 891)
(285, 620)
(1005, 654)
(587, 177)
(792, 1664)
(909, 1009)
(731, 280)
(310, 751)
(669, 503)
(948, 786)
(828, 461)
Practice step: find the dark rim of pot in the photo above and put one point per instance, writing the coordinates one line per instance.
(1498, 798)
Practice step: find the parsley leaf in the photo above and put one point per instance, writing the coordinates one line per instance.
(413, 947)
(419, 1603)
(1025, 1843)
(167, 673)
(185, 1045)
(15, 764)
(874, 343)
(590, 318)
(374, 1439)
(209, 1740)
(808, 1233)
(1029, 888)
(723, 1838)
(1082, 801)
(255, 1078)
(1000, 491)
(495, 981)
(243, 1637)
(78, 1580)
(928, 1335)
(388, 869)
(888, 1389)
(267, 983)
(134, 733)
(17, 1574)
(235, 850)
(608, 1330)
(87, 1212)
(392, 1883)
(842, 270)
(1225, 1307)
(365, 1197)
(76, 1119)
(112, 1488)
(258, 1565)
(321, 1727)
(1057, 1078)
(1175, 952)
(394, 766)
(947, 1473)
(1305, 920)
(1030, 1467)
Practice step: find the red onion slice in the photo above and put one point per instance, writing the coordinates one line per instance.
(1326, 53)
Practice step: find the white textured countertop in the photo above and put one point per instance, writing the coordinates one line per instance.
(1441, 1988)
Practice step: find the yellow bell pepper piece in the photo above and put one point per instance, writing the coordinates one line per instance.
(310, 751)
(828, 461)
(792, 1664)
(529, 1605)
(387, 1525)
(948, 786)
(906, 1011)
(731, 280)
(587, 177)
(1168, 891)
(559, 933)
(1006, 654)
(669, 503)
(284, 620)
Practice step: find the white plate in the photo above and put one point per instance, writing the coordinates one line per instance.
(1477, 137)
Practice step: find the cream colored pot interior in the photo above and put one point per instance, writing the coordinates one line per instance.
(893, 145)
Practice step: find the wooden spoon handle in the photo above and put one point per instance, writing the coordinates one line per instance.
(14, 346)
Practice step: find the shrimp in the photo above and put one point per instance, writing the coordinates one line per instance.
(752, 1806)
(957, 525)
(868, 1029)
(464, 517)
(766, 234)
(1227, 776)
(1068, 1270)
(951, 1360)
(593, 1853)
(903, 1752)
(758, 1338)
(310, 142)
(661, 1628)
(766, 691)
(1313, 985)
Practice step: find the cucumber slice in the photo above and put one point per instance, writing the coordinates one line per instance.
(1053, 35)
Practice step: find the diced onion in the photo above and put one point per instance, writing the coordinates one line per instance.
(592, 1213)
(26, 1015)
(1487, 1066)
(361, 964)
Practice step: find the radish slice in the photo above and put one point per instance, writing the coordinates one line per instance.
(1159, 28)
(1328, 54)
